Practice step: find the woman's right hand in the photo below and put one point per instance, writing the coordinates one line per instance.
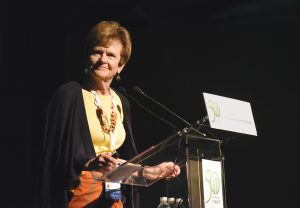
(104, 163)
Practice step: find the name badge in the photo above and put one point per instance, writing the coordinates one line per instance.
(113, 191)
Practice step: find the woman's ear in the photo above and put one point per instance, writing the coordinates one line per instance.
(120, 68)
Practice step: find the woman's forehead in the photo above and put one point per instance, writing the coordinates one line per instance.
(108, 42)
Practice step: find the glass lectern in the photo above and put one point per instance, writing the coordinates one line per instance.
(199, 157)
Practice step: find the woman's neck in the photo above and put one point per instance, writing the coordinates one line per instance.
(101, 87)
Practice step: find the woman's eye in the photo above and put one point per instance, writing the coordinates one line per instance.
(94, 54)
(111, 56)
(97, 52)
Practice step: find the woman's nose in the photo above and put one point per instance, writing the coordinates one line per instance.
(103, 58)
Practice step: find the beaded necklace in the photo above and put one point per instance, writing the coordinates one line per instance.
(108, 129)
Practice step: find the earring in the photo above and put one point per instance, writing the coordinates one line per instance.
(87, 70)
(118, 77)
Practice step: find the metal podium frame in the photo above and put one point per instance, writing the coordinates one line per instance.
(194, 172)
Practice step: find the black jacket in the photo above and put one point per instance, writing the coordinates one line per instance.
(67, 146)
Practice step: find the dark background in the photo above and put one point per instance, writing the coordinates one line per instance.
(247, 50)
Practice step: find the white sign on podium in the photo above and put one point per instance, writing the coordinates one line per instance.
(212, 183)
(229, 114)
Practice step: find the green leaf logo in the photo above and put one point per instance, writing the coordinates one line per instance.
(215, 109)
(214, 183)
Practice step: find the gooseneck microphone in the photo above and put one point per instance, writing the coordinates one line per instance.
(140, 91)
(124, 91)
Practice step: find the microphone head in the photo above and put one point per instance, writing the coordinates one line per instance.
(122, 89)
(138, 90)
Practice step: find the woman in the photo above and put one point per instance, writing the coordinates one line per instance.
(87, 124)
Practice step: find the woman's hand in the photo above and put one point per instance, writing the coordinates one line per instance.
(104, 163)
(121, 161)
(166, 170)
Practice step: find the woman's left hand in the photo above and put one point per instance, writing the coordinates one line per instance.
(166, 170)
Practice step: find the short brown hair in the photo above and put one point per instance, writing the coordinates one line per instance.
(106, 31)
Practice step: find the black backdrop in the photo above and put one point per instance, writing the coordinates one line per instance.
(246, 50)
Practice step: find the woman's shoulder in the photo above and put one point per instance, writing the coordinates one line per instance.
(122, 97)
(67, 90)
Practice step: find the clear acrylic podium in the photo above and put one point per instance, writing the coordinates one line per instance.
(199, 157)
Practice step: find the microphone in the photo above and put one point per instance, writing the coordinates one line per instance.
(124, 91)
(140, 91)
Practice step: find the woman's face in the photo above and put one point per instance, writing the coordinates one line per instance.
(105, 60)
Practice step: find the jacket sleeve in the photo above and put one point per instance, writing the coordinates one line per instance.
(64, 149)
